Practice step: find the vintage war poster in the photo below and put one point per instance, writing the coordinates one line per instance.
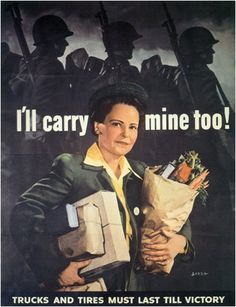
(172, 65)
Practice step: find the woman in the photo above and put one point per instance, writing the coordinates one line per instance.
(116, 112)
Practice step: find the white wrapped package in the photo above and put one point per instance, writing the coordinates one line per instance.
(115, 246)
(86, 241)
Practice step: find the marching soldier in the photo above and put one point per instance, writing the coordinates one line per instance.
(48, 93)
(121, 37)
(49, 90)
(196, 46)
(88, 73)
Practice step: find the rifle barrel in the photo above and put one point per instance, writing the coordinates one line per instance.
(171, 29)
(17, 22)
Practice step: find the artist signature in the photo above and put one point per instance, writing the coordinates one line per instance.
(199, 274)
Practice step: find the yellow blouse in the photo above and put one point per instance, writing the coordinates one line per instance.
(94, 157)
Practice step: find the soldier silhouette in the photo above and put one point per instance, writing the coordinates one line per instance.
(196, 45)
(120, 39)
(88, 73)
(49, 91)
(167, 88)
(49, 94)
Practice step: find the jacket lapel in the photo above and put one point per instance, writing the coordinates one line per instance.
(102, 176)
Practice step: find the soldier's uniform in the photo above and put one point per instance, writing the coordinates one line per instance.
(88, 73)
(48, 93)
(196, 47)
(118, 41)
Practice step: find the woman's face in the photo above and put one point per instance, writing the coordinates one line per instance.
(118, 133)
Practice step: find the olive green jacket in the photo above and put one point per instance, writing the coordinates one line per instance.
(70, 180)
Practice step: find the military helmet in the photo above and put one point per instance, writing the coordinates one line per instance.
(120, 34)
(195, 40)
(123, 29)
(49, 28)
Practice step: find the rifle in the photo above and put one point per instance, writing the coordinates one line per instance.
(171, 29)
(17, 21)
(103, 19)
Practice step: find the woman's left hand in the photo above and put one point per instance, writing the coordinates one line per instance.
(164, 253)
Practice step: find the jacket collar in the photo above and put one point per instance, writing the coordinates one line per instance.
(95, 160)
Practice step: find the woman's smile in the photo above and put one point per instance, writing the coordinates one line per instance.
(123, 143)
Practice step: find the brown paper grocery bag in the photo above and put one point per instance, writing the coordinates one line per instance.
(166, 205)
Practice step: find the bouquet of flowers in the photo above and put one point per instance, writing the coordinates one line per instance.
(168, 195)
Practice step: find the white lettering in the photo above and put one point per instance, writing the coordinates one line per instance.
(46, 121)
(84, 124)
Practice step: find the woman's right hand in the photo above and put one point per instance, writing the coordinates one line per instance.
(70, 275)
